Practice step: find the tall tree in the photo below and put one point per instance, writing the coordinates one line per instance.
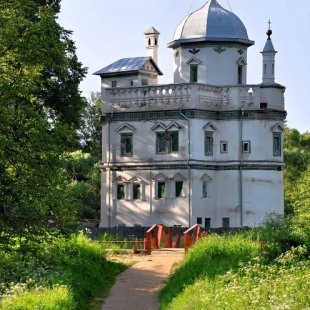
(297, 160)
(41, 108)
(90, 130)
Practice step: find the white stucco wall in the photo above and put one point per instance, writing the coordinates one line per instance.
(215, 68)
(262, 191)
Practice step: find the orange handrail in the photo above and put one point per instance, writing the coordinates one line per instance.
(192, 235)
(159, 234)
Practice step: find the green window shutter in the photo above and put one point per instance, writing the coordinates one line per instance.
(161, 189)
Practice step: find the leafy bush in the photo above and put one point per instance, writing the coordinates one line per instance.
(209, 258)
(226, 273)
(284, 284)
(73, 267)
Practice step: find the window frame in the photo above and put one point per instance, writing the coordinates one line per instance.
(165, 142)
(136, 195)
(209, 143)
(226, 222)
(208, 220)
(113, 84)
(161, 189)
(193, 77)
(277, 146)
(240, 74)
(120, 195)
(125, 137)
(205, 188)
(223, 147)
(144, 81)
(246, 150)
(179, 190)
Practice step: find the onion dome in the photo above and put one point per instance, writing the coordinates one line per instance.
(211, 23)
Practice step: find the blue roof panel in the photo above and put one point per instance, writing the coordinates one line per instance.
(124, 65)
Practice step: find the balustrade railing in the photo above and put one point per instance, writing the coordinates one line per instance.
(181, 96)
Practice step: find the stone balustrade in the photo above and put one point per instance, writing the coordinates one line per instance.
(181, 96)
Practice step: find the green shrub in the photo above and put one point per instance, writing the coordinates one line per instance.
(74, 266)
(210, 257)
(284, 284)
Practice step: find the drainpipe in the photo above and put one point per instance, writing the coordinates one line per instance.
(109, 170)
(241, 167)
(189, 170)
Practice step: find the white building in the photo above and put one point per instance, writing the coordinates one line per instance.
(205, 149)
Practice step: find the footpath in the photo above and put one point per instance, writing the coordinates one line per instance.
(137, 287)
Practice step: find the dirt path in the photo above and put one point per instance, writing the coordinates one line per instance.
(136, 288)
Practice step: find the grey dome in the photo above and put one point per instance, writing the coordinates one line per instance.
(211, 23)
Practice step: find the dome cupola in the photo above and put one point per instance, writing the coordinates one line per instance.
(211, 23)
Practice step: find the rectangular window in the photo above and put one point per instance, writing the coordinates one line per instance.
(144, 81)
(246, 147)
(126, 144)
(120, 191)
(207, 222)
(263, 105)
(136, 191)
(239, 74)
(194, 74)
(224, 147)
(160, 143)
(178, 188)
(209, 143)
(277, 144)
(173, 142)
(114, 83)
(199, 220)
(167, 142)
(161, 187)
(205, 189)
(225, 221)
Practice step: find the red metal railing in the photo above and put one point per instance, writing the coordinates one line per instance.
(192, 235)
(158, 235)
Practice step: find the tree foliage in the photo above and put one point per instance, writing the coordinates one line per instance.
(90, 130)
(297, 161)
(41, 108)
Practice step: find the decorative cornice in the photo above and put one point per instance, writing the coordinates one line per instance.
(205, 167)
(262, 114)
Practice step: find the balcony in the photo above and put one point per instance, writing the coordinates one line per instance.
(183, 96)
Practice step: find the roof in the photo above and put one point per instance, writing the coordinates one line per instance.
(211, 23)
(151, 30)
(269, 47)
(127, 65)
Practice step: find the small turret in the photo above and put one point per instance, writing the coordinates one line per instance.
(269, 60)
(151, 43)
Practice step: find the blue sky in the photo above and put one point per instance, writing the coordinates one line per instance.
(105, 31)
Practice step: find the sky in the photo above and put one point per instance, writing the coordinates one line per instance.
(105, 31)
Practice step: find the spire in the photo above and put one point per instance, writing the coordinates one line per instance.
(269, 53)
(269, 46)
(151, 43)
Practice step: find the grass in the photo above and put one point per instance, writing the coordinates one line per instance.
(56, 272)
(227, 273)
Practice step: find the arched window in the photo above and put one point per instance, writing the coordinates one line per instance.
(149, 41)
